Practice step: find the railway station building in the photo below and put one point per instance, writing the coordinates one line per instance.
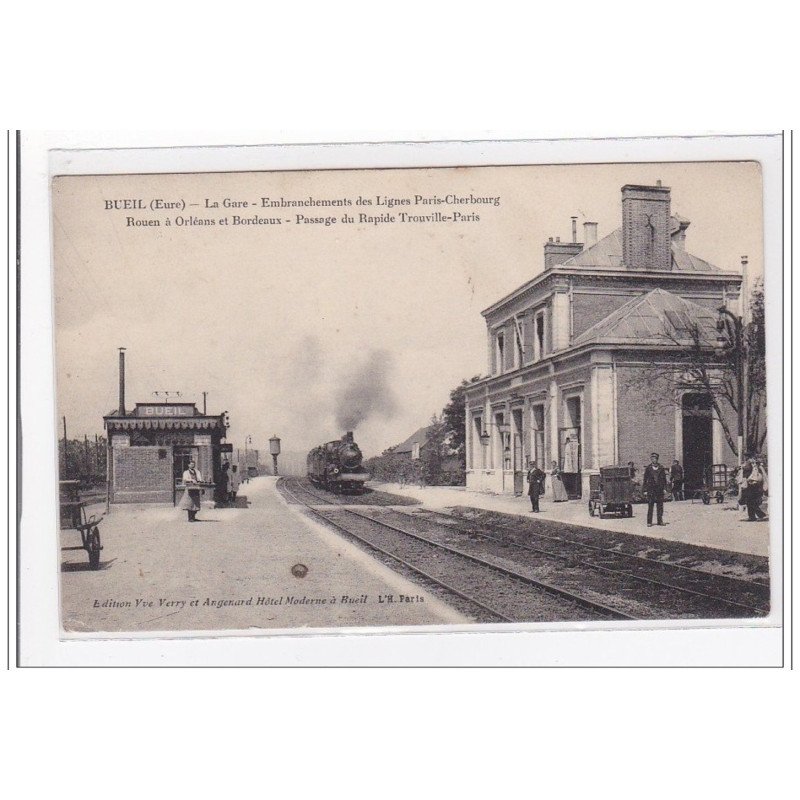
(584, 359)
(150, 447)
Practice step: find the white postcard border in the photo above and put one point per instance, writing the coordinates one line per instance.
(45, 155)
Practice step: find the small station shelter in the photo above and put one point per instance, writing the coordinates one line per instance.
(150, 447)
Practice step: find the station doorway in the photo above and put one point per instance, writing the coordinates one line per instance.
(570, 447)
(698, 439)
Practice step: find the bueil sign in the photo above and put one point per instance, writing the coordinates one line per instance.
(167, 411)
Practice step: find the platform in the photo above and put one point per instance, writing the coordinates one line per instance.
(232, 570)
(723, 526)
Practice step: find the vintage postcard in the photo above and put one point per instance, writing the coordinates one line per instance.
(434, 397)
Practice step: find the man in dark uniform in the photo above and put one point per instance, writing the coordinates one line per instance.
(535, 486)
(221, 487)
(676, 479)
(654, 485)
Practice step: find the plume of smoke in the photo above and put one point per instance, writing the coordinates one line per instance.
(366, 392)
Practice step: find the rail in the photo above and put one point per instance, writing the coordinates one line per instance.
(600, 609)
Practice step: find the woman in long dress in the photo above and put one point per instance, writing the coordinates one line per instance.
(190, 502)
(559, 492)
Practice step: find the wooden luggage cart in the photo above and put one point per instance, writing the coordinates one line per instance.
(73, 515)
(716, 483)
(611, 492)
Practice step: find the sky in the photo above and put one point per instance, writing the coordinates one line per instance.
(301, 329)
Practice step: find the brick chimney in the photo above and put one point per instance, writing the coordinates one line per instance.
(646, 227)
(557, 252)
(589, 234)
(678, 226)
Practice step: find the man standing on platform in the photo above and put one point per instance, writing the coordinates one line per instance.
(753, 493)
(676, 479)
(535, 486)
(654, 485)
(221, 487)
(233, 484)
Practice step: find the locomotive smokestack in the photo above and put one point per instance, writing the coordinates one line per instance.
(348, 437)
(121, 410)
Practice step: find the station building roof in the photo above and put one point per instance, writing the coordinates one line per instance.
(607, 254)
(164, 423)
(163, 416)
(657, 317)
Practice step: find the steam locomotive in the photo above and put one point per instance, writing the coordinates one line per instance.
(336, 466)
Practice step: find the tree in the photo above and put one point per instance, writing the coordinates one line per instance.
(83, 459)
(703, 358)
(432, 454)
(756, 354)
(454, 416)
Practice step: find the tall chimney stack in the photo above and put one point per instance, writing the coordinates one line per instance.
(589, 234)
(574, 229)
(121, 410)
(646, 240)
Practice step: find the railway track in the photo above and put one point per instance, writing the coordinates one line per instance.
(304, 489)
(296, 490)
(501, 592)
(732, 579)
(719, 590)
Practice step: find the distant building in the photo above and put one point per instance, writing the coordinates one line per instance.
(405, 461)
(571, 355)
(413, 446)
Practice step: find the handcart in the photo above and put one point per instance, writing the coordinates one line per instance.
(73, 515)
(716, 484)
(611, 492)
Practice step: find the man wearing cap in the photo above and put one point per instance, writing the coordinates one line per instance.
(654, 484)
(535, 486)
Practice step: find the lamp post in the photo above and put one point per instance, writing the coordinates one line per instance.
(731, 334)
(275, 451)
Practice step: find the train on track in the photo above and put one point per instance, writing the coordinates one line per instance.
(337, 466)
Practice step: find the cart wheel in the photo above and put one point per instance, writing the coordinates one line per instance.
(94, 549)
(706, 498)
